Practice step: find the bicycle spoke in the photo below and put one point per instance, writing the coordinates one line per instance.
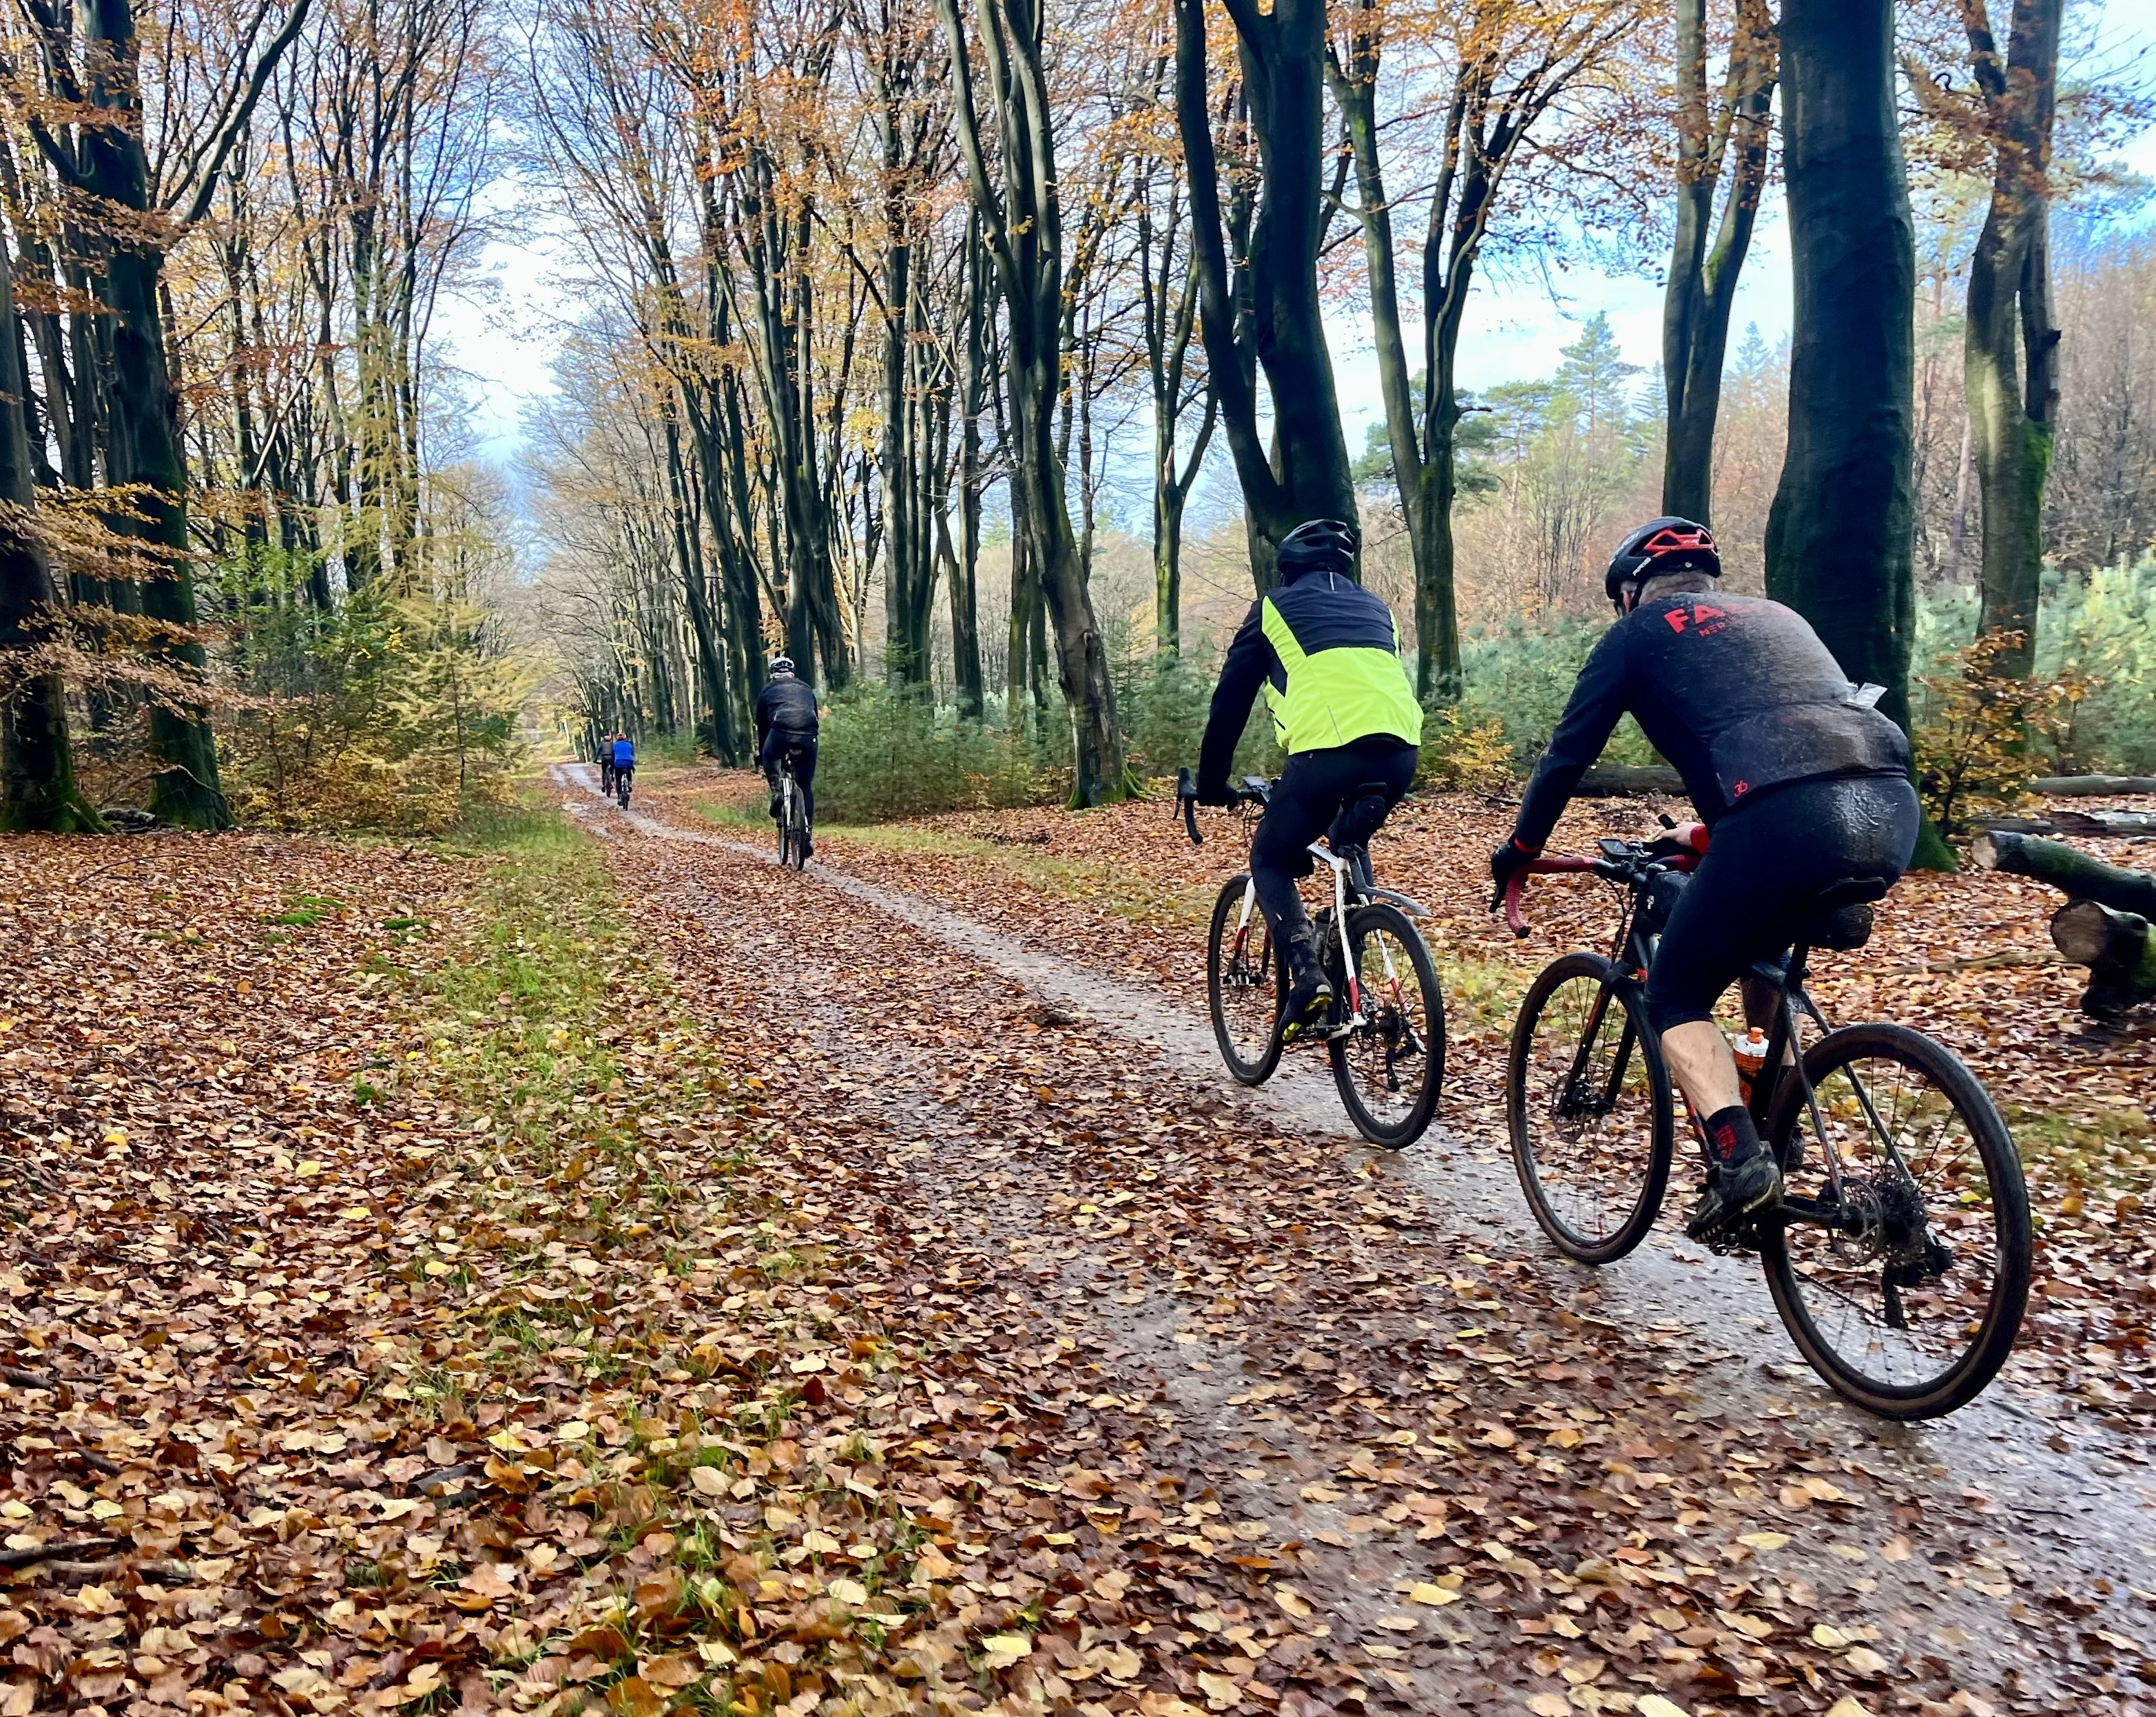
(1242, 984)
(1899, 1283)
(1389, 1053)
(1585, 1116)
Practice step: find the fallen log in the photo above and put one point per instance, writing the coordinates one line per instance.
(2104, 926)
(2066, 869)
(1629, 780)
(2116, 947)
(2091, 787)
(2100, 823)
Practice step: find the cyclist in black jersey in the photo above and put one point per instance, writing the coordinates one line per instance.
(786, 726)
(1799, 781)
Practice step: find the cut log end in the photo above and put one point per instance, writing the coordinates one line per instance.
(2116, 947)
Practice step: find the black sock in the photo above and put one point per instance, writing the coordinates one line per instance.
(1731, 1135)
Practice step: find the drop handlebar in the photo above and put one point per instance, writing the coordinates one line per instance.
(1514, 888)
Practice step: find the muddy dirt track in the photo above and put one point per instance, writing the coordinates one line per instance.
(1482, 1473)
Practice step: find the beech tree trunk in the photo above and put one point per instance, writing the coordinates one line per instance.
(2009, 373)
(1264, 309)
(145, 423)
(1703, 286)
(909, 535)
(1486, 122)
(2068, 869)
(966, 561)
(703, 627)
(1838, 536)
(1170, 318)
(2104, 926)
(1022, 223)
(36, 765)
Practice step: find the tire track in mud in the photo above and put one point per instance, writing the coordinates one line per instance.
(2004, 1525)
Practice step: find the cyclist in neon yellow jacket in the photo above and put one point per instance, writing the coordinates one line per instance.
(1327, 654)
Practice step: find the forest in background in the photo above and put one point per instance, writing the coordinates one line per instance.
(985, 397)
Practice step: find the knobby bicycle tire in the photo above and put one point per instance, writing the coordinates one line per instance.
(1994, 1336)
(1603, 1244)
(1399, 1133)
(1227, 911)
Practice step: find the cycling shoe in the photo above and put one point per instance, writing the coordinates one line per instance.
(1310, 991)
(1735, 1191)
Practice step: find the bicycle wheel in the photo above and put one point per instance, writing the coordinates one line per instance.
(1906, 1291)
(1391, 1070)
(800, 838)
(1587, 1100)
(1245, 984)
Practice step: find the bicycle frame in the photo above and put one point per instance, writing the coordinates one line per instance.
(1632, 951)
(1338, 865)
(1351, 887)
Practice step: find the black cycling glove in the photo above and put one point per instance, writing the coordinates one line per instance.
(1507, 862)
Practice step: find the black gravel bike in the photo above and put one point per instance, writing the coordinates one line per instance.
(793, 819)
(1385, 1034)
(1899, 1257)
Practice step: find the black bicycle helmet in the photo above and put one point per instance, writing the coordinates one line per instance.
(1322, 545)
(1661, 545)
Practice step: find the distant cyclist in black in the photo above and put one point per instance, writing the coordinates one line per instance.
(1800, 781)
(1327, 654)
(785, 724)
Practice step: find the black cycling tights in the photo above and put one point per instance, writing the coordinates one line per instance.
(1768, 860)
(1320, 794)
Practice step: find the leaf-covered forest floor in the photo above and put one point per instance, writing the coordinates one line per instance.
(569, 1273)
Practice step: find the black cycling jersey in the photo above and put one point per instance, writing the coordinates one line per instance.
(1738, 693)
(786, 704)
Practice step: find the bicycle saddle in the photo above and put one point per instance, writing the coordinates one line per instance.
(1839, 917)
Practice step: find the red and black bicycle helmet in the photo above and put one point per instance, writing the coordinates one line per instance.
(1661, 545)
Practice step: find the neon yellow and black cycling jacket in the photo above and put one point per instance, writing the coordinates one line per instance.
(1327, 656)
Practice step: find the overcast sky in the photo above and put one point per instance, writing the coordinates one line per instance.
(504, 339)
